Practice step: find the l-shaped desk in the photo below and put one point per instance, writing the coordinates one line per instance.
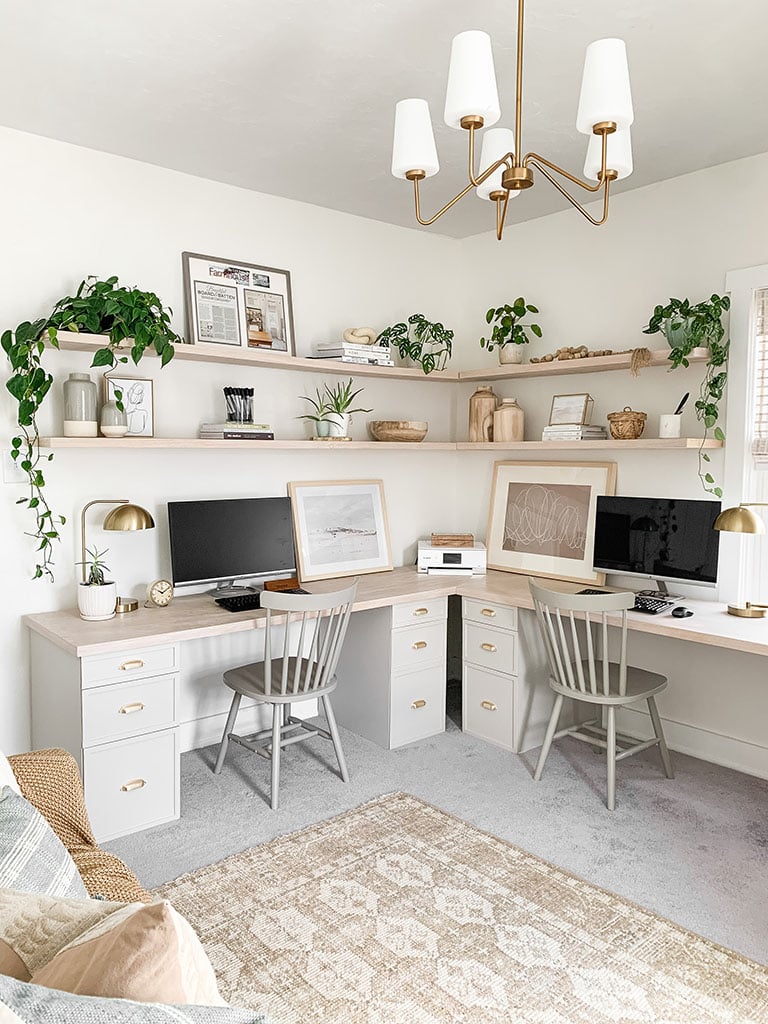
(126, 696)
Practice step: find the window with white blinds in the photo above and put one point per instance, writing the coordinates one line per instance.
(760, 409)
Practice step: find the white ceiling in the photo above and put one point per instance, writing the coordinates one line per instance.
(296, 98)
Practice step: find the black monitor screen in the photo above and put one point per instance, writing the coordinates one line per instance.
(230, 539)
(664, 538)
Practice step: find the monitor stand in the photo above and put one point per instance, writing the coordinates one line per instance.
(662, 593)
(228, 588)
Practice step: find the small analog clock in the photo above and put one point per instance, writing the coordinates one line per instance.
(159, 594)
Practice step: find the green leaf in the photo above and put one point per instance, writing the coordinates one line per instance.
(709, 478)
(705, 457)
(719, 492)
(103, 357)
(719, 435)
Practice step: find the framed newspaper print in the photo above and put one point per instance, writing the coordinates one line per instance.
(242, 305)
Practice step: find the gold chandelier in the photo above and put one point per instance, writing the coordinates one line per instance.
(472, 102)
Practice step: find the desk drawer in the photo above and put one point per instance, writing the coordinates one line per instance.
(419, 611)
(417, 706)
(488, 706)
(125, 709)
(498, 615)
(418, 645)
(490, 648)
(129, 664)
(132, 784)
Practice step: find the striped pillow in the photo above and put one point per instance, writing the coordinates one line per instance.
(32, 857)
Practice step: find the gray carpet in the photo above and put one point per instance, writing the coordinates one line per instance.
(694, 849)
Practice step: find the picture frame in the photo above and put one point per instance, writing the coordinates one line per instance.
(241, 305)
(571, 409)
(541, 520)
(138, 401)
(340, 528)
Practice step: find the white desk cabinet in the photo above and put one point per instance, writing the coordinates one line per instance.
(118, 715)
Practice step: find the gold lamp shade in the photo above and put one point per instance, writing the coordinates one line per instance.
(739, 520)
(128, 517)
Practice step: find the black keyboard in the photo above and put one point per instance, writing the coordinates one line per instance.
(643, 602)
(247, 602)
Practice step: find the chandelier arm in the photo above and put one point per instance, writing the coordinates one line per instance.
(506, 159)
(501, 215)
(448, 205)
(537, 161)
(553, 181)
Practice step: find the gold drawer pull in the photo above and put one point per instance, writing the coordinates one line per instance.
(133, 663)
(489, 612)
(421, 611)
(418, 704)
(419, 645)
(128, 787)
(488, 705)
(488, 647)
(130, 709)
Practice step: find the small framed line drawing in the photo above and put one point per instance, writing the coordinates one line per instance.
(138, 402)
(571, 409)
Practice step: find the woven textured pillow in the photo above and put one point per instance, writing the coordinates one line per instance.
(32, 857)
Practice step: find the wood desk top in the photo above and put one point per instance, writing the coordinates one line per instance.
(188, 618)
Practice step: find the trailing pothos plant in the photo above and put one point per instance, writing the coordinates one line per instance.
(97, 307)
(687, 326)
(429, 344)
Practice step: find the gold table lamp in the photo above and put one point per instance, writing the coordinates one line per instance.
(125, 517)
(741, 519)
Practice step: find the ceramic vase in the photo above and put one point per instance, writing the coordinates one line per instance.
(482, 405)
(80, 406)
(509, 422)
(95, 602)
(338, 424)
(510, 354)
(113, 422)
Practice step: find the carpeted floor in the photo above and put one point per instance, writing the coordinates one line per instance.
(693, 849)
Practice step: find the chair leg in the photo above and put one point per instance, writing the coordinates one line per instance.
(233, 710)
(611, 757)
(334, 731)
(666, 760)
(548, 736)
(277, 716)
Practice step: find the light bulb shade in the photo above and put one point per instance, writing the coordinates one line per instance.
(605, 91)
(497, 142)
(618, 157)
(471, 81)
(128, 517)
(739, 520)
(413, 147)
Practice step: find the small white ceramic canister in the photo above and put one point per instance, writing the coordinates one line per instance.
(669, 425)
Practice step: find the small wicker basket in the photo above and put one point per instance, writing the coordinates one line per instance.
(627, 425)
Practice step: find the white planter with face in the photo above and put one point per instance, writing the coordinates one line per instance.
(97, 602)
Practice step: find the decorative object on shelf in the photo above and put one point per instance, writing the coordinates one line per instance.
(360, 335)
(573, 432)
(686, 327)
(627, 425)
(509, 334)
(239, 402)
(333, 407)
(640, 357)
(542, 517)
(320, 416)
(239, 304)
(125, 516)
(346, 352)
(159, 594)
(113, 422)
(232, 431)
(136, 396)
(428, 344)
(452, 540)
(570, 409)
(340, 528)
(96, 597)
(670, 424)
(398, 430)
(80, 406)
(482, 405)
(508, 422)
(604, 113)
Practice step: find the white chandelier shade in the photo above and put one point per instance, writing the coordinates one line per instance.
(414, 142)
(471, 88)
(619, 155)
(605, 90)
(497, 142)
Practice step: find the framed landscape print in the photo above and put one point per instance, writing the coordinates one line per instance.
(542, 517)
(137, 397)
(340, 528)
(238, 304)
(568, 409)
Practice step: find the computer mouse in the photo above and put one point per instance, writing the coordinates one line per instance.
(681, 612)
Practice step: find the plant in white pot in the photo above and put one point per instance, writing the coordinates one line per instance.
(320, 416)
(96, 597)
(339, 400)
(509, 334)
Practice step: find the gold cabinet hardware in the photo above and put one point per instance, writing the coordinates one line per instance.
(489, 612)
(418, 704)
(488, 647)
(127, 666)
(128, 787)
(421, 611)
(130, 709)
(419, 645)
(488, 705)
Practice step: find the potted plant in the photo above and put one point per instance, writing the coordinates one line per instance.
(688, 326)
(423, 342)
(97, 307)
(96, 597)
(320, 416)
(509, 334)
(339, 400)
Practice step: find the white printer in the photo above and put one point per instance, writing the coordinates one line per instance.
(447, 561)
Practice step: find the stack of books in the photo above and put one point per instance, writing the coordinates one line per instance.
(347, 352)
(232, 430)
(573, 432)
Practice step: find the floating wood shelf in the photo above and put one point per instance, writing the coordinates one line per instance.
(641, 444)
(595, 364)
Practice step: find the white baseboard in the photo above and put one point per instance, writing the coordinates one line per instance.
(202, 732)
(709, 746)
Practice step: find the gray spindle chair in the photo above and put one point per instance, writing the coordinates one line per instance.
(315, 625)
(587, 675)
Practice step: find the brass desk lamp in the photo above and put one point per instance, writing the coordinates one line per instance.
(125, 517)
(742, 520)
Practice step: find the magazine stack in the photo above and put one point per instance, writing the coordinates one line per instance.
(347, 352)
(573, 432)
(232, 430)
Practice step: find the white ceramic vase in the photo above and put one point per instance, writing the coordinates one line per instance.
(97, 602)
(510, 354)
(338, 424)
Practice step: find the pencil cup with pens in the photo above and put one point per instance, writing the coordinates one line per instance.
(239, 404)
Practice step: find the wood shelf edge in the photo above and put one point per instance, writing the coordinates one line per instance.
(595, 364)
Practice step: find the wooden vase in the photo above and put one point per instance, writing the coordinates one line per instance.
(509, 422)
(482, 405)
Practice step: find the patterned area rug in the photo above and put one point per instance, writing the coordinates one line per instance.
(397, 913)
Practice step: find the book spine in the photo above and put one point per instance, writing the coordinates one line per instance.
(353, 349)
(238, 435)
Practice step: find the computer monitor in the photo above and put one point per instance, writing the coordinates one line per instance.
(666, 539)
(223, 540)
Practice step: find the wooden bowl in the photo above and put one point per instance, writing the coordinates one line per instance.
(398, 430)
